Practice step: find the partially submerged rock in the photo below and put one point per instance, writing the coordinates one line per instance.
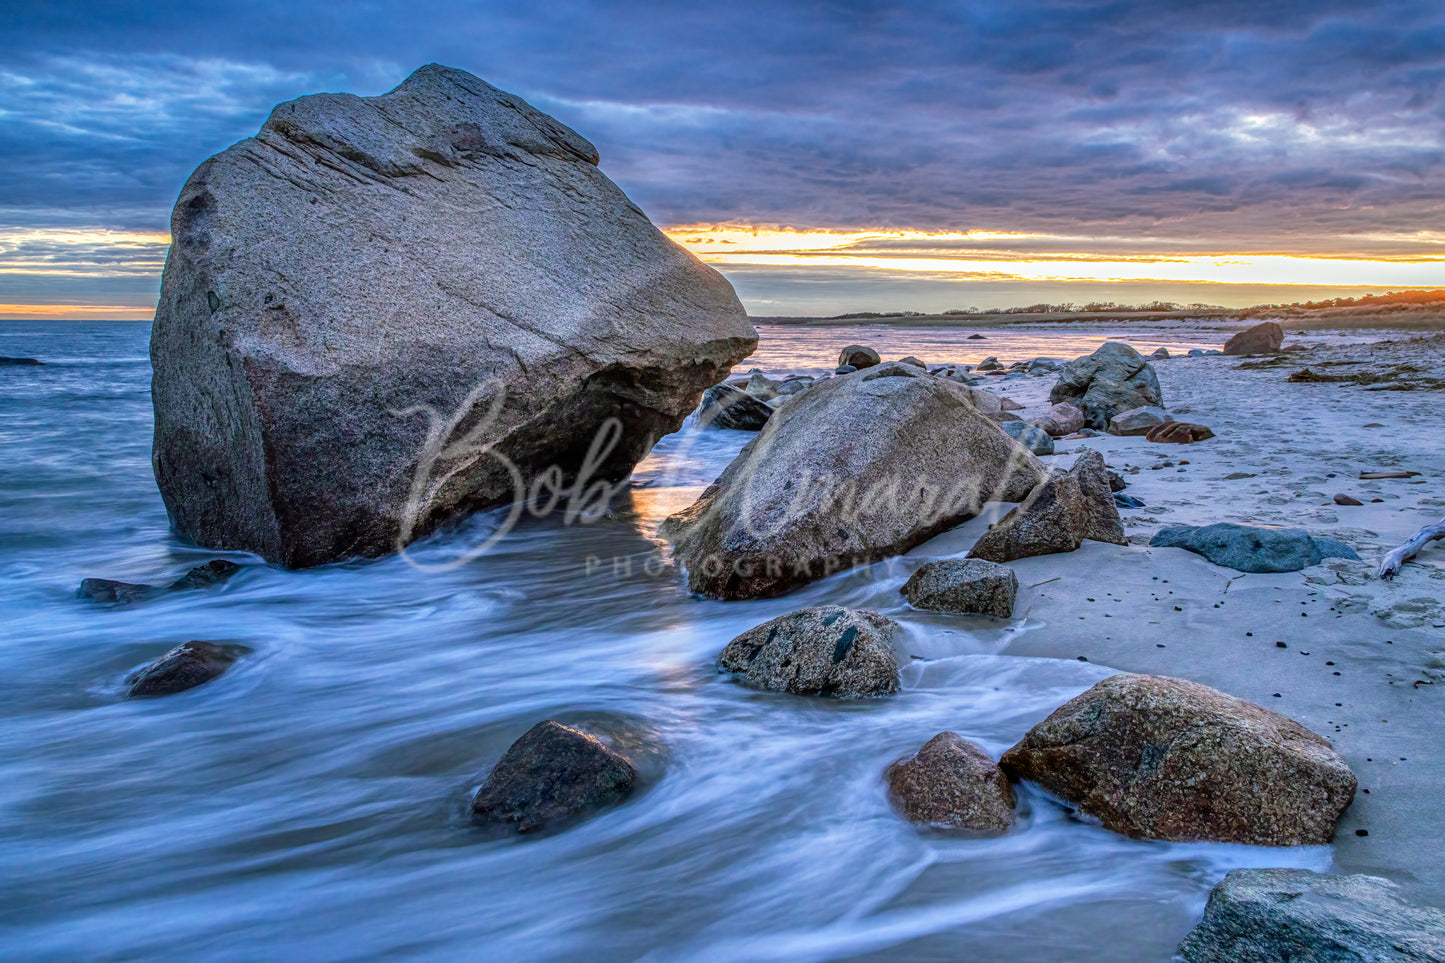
(21, 361)
(1163, 758)
(858, 357)
(1061, 420)
(1113, 379)
(963, 585)
(552, 774)
(213, 573)
(953, 783)
(1178, 433)
(1030, 436)
(852, 471)
(1253, 548)
(186, 666)
(1296, 916)
(724, 406)
(381, 313)
(1057, 516)
(1263, 338)
(829, 651)
(1138, 421)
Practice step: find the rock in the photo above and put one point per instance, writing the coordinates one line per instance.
(1263, 338)
(1111, 380)
(829, 651)
(1128, 501)
(853, 470)
(858, 356)
(724, 406)
(843, 369)
(1196, 352)
(1342, 499)
(348, 289)
(1008, 404)
(186, 666)
(968, 586)
(1031, 437)
(552, 774)
(1116, 481)
(1213, 351)
(793, 385)
(1296, 916)
(761, 387)
(1163, 758)
(976, 337)
(1042, 365)
(1060, 420)
(1082, 433)
(213, 573)
(1253, 548)
(1138, 421)
(1178, 433)
(952, 783)
(1161, 354)
(20, 361)
(913, 361)
(1057, 516)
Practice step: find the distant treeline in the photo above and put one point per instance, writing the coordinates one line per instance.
(1365, 301)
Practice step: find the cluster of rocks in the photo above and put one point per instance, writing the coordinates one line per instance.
(210, 575)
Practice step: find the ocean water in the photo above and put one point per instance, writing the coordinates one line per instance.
(312, 803)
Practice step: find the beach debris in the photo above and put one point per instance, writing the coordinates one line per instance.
(1274, 915)
(1057, 516)
(724, 406)
(1138, 421)
(186, 666)
(1163, 758)
(20, 361)
(551, 775)
(1030, 436)
(213, 573)
(1178, 433)
(1342, 499)
(913, 361)
(968, 586)
(854, 470)
(1390, 565)
(1253, 548)
(1115, 378)
(1264, 338)
(952, 783)
(858, 356)
(1061, 419)
(825, 651)
(1390, 473)
(487, 309)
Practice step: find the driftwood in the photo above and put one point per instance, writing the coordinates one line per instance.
(1390, 564)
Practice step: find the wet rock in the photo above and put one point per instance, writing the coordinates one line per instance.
(1163, 758)
(1296, 916)
(1178, 433)
(829, 651)
(1138, 421)
(853, 470)
(551, 775)
(1342, 499)
(1161, 354)
(1113, 379)
(218, 571)
(20, 361)
(366, 271)
(858, 356)
(724, 406)
(913, 361)
(1264, 338)
(952, 783)
(213, 573)
(186, 666)
(1030, 436)
(968, 586)
(1253, 548)
(1057, 516)
(1060, 420)
(1128, 501)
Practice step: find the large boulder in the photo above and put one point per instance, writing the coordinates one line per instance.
(1253, 548)
(186, 666)
(1057, 516)
(552, 774)
(1297, 916)
(1264, 338)
(383, 312)
(953, 783)
(1163, 758)
(858, 356)
(1113, 379)
(724, 406)
(963, 585)
(854, 470)
(828, 651)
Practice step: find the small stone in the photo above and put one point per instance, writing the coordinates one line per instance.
(551, 774)
(952, 783)
(1343, 499)
(1178, 433)
(186, 666)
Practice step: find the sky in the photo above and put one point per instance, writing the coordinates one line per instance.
(826, 157)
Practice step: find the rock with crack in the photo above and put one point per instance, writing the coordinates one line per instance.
(1113, 379)
(830, 651)
(1057, 516)
(381, 313)
(854, 470)
(952, 783)
(552, 775)
(1163, 758)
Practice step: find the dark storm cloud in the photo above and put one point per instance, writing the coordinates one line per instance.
(1233, 119)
